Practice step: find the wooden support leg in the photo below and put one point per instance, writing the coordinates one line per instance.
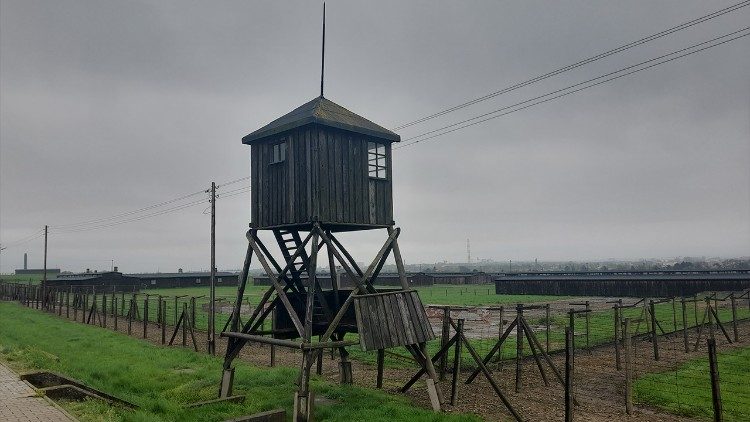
(227, 382)
(302, 398)
(433, 376)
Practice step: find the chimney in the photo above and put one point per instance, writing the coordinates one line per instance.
(25, 261)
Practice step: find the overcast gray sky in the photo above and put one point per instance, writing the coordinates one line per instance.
(109, 106)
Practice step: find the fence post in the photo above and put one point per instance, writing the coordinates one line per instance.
(568, 374)
(145, 317)
(104, 310)
(184, 323)
(618, 366)
(130, 317)
(114, 308)
(572, 326)
(653, 329)
(546, 316)
(684, 326)
(444, 338)
(163, 308)
(588, 324)
(519, 345)
(85, 305)
(734, 317)
(714, 372)
(628, 368)
(456, 363)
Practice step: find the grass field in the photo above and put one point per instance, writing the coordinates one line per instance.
(160, 380)
(687, 390)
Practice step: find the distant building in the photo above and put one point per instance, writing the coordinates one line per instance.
(35, 271)
(186, 279)
(106, 281)
(51, 272)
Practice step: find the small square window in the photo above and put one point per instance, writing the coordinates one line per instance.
(377, 166)
(278, 152)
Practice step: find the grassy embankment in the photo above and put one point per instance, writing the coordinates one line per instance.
(160, 380)
(687, 390)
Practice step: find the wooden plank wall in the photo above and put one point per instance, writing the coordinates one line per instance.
(393, 319)
(619, 287)
(325, 174)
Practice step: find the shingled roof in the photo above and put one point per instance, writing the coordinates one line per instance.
(325, 112)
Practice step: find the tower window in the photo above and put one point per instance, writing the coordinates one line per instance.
(278, 152)
(376, 160)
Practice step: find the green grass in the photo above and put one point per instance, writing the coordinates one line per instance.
(160, 379)
(475, 295)
(687, 390)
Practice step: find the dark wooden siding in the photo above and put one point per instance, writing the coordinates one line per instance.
(324, 178)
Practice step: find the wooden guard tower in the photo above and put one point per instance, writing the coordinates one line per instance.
(317, 171)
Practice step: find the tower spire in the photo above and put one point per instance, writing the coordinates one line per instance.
(323, 53)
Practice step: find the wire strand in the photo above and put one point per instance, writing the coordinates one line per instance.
(493, 114)
(578, 64)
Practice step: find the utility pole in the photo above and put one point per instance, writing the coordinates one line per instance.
(468, 251)
(212, 313)
(44, 279)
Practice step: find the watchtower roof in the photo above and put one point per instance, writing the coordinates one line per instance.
(325, 112)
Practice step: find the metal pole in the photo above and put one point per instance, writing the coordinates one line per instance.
(212, 295)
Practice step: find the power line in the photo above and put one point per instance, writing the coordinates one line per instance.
(37, 234)
(580, 63)
(513, 108)
(125, 214)
(180, 207)
(86, 223)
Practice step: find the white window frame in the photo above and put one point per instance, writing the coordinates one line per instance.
(377, 161)
(278, 152)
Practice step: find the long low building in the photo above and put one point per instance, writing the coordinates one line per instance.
(106, 281)
(186, 279)
(664, 283)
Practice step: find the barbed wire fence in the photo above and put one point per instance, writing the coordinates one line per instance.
(625, 354)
